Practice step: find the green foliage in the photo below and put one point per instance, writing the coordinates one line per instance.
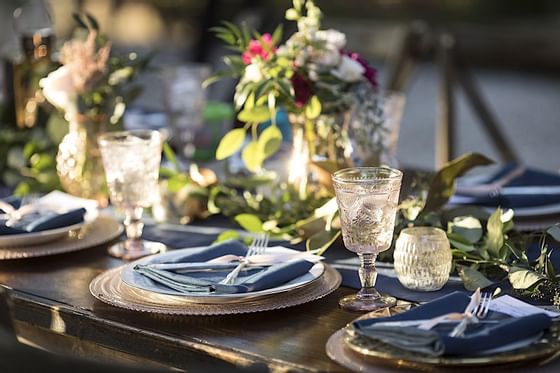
(443, 183)
(230, 143)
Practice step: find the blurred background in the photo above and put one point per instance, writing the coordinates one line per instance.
(509, 47)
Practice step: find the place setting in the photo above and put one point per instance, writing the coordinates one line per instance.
(52, 224)
(224, 278)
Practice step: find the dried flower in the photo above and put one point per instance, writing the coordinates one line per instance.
(87, 63)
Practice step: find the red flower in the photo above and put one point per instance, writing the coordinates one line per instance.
(370, 73)
(255, 49)
(302, 89)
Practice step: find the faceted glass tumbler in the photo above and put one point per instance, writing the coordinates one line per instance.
(422, 258)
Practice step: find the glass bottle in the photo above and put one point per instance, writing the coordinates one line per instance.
(33, 27)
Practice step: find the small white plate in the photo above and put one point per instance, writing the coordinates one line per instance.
(136, 280)
(36, 238)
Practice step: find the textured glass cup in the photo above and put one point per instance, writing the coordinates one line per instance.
(422, 258)
(131, 160)
(367, 198)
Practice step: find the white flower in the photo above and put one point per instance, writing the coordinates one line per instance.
(252, 73)
(333, 38)
(326, 57)
(59, 89)
(349, 70)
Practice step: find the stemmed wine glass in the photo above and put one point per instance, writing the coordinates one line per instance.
(367, 198)
(131, 160)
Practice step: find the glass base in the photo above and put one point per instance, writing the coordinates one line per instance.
(356, 303)
(134, 249)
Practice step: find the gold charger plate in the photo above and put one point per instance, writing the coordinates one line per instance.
(108, 288)
(102, 229)
(362, 354)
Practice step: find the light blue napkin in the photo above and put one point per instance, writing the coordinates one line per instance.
(142, 275)
(495, 331)
(42, 220)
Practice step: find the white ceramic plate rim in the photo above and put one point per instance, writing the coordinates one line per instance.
(314, 273)
(22, 239)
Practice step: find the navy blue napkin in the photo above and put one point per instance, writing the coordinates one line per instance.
(176, 282)
(42, 221)
(525, 178)
(392, 286)
(495, 331)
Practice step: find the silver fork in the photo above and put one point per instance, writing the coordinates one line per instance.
(258, 247)
(479, 313)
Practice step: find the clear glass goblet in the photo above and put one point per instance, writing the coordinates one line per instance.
(367, 198)
(131, 160)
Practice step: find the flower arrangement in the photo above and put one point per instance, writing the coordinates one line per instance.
(311, 75)
(91, 82)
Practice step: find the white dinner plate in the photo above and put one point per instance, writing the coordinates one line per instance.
(136, 280)
(36, 238)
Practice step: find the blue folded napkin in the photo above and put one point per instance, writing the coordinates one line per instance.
(513, 186)
(42, 220)
(495, 331)
(206, 280)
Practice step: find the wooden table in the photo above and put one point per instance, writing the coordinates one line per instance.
(54, 309)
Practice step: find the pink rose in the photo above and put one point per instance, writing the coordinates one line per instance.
(255, 49)
(369, 72)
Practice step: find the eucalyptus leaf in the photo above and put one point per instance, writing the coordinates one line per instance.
(442, 186)
(313, 108)
(495, 237)
(467, 227)
(253, 156)
(321, 241)
(270, 140)
(230, 234)
(249, 222)
(554, 232)
(472, 278)
(257, 114)
(521, 278)
(459, 244)
(230, 143)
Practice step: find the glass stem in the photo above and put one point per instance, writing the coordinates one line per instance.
(368, 276)
(133, 222)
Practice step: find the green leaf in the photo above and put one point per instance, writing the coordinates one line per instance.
(313, 108)
(230, 143)
(459, 244)
(321, 241)
(230, 234)
(253, 156)
(79, 21)
(270, 140)
(554, 232)
(467, 227)
(277, 34)
(521, 278)
(257, 114)
(170, 156)
(442, 186)
(249, 222)
(495, 237)
(472, 278)
(92, 22)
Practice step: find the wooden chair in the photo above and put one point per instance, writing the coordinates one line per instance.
(420, 42)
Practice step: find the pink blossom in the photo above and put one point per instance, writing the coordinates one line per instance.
(369, 73)
(255, 49)
(302, 89)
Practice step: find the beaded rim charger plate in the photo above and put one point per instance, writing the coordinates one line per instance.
(362, 354)
(109, 288)
(102, 229)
